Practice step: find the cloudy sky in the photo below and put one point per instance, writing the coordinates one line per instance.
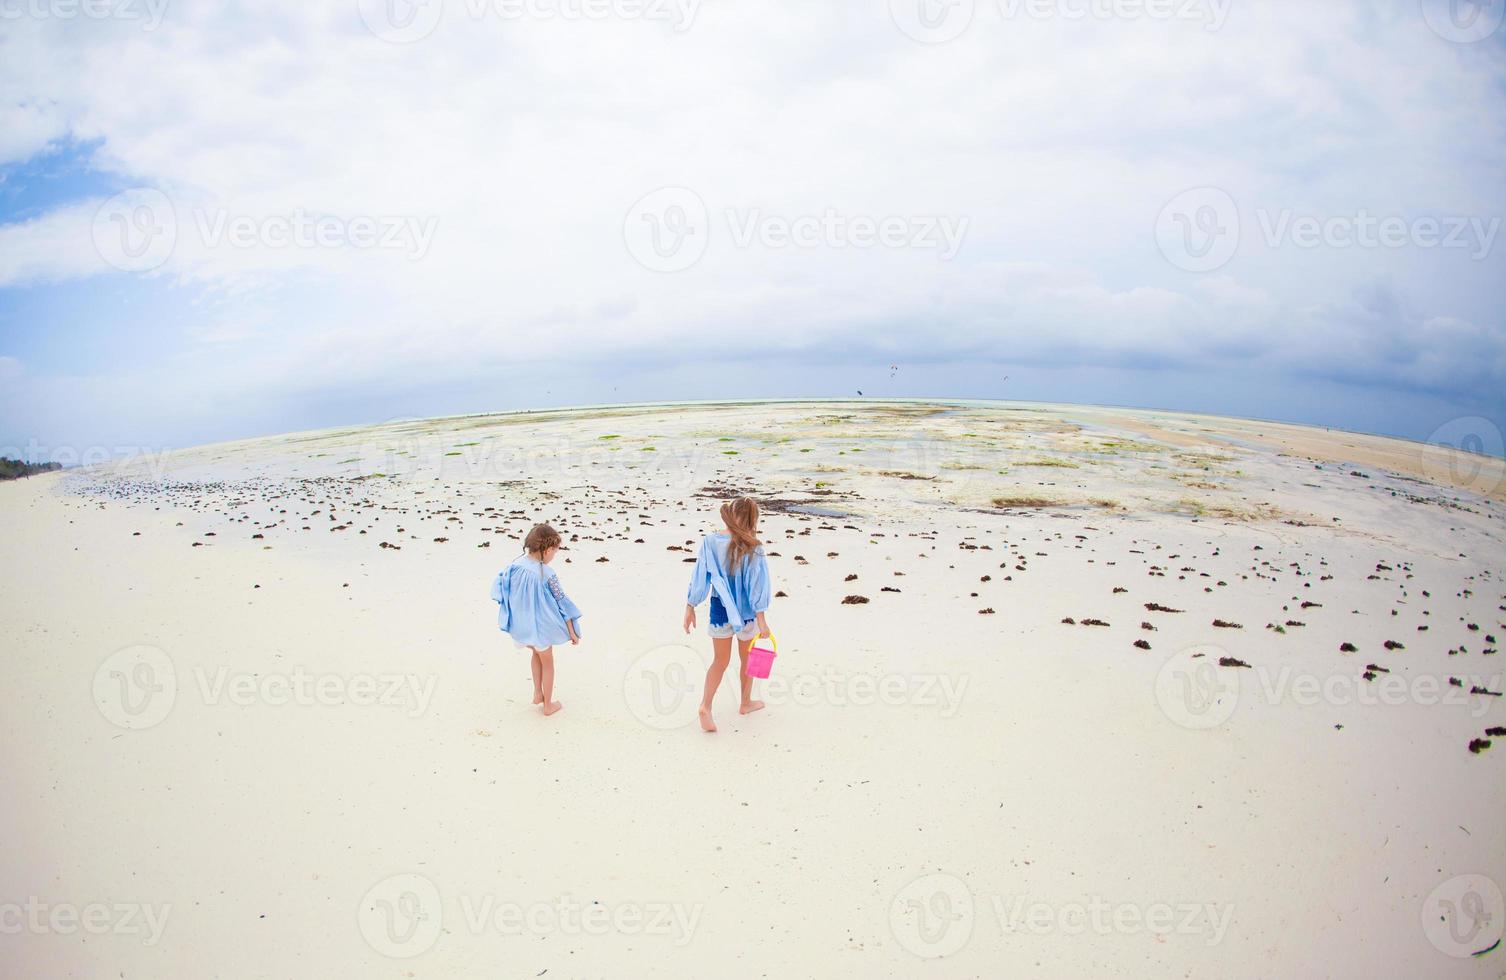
(221, 219)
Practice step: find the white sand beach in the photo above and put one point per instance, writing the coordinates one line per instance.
(260, 722)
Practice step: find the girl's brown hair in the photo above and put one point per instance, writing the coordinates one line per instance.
(741, 517)
(541, 539)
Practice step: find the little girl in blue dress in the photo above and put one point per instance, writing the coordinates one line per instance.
(534, 610)
(732, 570)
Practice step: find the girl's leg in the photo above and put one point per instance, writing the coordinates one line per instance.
(721, 655)
(546, 680)
(748, 704)
(538, 676)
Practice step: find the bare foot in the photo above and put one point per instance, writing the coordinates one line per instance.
(552, 707)
(750, 707)
(707, 724)
(538, 697)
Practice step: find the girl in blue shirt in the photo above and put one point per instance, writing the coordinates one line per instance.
(534, 609)
(732, 570)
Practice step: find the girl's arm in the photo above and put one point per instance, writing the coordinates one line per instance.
(759, 589)
(499, 596)
(569, 610)
(700, 585)
(700, 578)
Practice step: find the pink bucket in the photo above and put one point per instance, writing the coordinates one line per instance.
(761, 658)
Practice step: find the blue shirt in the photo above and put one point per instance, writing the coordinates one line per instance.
(744, 592)
(531, 605)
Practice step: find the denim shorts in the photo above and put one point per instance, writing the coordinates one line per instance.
(719, 627)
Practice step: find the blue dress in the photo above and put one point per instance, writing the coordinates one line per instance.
(531, 605)
(742, 594)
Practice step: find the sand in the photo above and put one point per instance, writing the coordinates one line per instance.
(245, 739)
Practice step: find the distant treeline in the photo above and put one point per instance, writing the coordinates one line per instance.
(12, 468)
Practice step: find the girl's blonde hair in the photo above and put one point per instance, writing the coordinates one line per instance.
(741, 517)
(541, 539)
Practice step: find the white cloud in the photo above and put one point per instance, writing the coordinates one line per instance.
(56, 246)
(525, 143)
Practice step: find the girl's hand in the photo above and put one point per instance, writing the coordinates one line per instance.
(763, 626)
(574, 636)
(689, 618)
